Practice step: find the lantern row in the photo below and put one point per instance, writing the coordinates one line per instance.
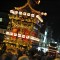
(25, 13)
(20, 13)
(21, 36)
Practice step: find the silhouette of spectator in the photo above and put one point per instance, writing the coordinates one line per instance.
(23, 57)
(9, 56)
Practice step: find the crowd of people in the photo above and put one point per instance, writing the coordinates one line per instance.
(22, 54)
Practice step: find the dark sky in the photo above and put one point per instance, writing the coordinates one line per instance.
(52, 7)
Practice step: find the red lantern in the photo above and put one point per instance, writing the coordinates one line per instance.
(15, 30)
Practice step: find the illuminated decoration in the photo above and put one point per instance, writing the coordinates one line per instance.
(11, 11)
(19, 35)
(16, 12)
(20, 13)
(45, 14)
(22, 22)
(11, 33)
(42, 13)
(24, 13)
(7, 33)
(15, 34)
(15, 30)
(28, 14)
(27, 37)
(22, 36)
(37, 16)
(37, 1)
(32, 15)
(34, 38)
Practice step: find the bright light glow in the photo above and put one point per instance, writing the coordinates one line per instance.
(24, 13)
(28, 14)
(56, 42)
(7, 33)
(34, 38)
(0, 19)
(27, 37)
(38, 17)
(12, 11)
(20, 13)
(44, 49)
(45, 36)
(45, 14)
(31, 37)
(23, 36)
(15, 12)
(39, 2)
(15, 34)
(57, 51)
(11, 33)
(32, 15)
(45, 33)
(37, 39)
(44, 39)
(39, 48)
(42, 13)
(19, 35)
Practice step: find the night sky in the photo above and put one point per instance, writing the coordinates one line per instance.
(52, 7)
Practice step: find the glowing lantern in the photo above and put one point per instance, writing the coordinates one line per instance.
(15, 30)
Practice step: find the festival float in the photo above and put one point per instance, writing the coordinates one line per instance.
(21, 30)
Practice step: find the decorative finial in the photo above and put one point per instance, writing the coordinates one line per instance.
(37, 2)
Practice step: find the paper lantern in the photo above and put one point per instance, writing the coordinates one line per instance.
(14, 30)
